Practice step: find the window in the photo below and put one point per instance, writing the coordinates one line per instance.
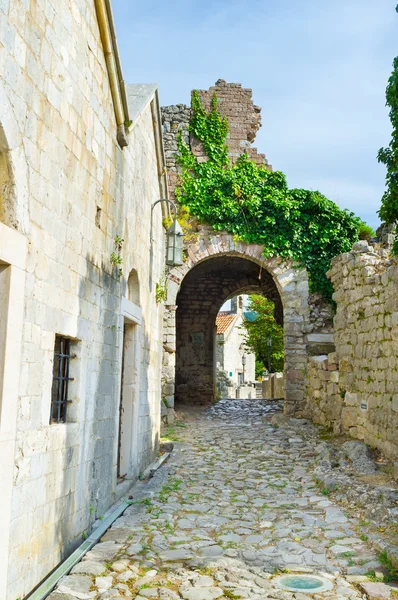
(61, 379)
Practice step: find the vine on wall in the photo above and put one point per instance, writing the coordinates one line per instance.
(389, 156)
(257, 206)
(116, 257)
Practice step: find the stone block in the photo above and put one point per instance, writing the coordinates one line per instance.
(376, 591)
(350, 399)
(349, 417)
(169, 401)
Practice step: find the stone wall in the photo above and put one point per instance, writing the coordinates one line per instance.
(273, 386)
(218, 268)
(244, 119)
(355, 389)
(307, 319)
(72, 191)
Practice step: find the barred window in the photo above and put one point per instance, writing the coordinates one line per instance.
(61, 379)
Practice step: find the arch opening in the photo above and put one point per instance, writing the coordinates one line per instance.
(203, 291)
(7, 186)
(133, 287)
(249, 348)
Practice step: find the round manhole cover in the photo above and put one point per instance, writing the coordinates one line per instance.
(303, 583)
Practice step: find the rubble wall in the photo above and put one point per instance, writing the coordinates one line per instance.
(355, 389)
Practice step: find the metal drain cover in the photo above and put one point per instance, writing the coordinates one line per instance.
(303, 583)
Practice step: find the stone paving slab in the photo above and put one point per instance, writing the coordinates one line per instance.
(236, 504)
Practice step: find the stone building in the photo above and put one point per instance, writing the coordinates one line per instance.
(218, 268)
(230, 348)
(81, 164)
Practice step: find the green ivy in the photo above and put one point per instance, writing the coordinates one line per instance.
(256, 205)
(389, 156)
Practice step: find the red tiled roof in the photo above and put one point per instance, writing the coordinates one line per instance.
(223, 321)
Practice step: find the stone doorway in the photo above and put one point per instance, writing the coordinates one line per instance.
(217, 269)
(130, 361)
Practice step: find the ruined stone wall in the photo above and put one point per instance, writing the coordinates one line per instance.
(355, 389)
(307, 316)
(234, 102)
(80, 191)
(244, 119)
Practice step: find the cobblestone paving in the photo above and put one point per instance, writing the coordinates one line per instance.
(235, 505)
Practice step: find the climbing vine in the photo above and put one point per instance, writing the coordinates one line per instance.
(256, 205)
(389, 156)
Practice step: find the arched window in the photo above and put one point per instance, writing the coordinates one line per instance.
(133, 287)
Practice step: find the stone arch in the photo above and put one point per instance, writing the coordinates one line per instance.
(133, 287)
(228, 268)
(14, 196)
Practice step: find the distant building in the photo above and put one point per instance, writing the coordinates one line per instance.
(232, 358)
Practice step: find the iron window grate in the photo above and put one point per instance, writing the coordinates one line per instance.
(61, 379)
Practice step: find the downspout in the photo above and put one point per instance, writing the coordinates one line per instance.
(160, 158)
(122, 86)
(113, 71)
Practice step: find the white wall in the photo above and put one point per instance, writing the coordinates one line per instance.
(67, 165)
(233, 343)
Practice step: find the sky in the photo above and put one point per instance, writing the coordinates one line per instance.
(318, 69)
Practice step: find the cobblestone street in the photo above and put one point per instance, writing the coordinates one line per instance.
(236, 505)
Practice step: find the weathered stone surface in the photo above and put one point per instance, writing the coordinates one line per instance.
(78, 586)
(353, 391)
(104, 551)
(377, 591)
(104, 583)
(175, 555)
(201, 593)
(189, 372)
(67, 192)
(278, 520)
(89, 567)
(360, 456)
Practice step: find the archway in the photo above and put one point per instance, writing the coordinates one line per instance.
(14, 192)
(217, 269)
(203, 291)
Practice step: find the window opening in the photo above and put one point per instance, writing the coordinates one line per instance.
(61, 379)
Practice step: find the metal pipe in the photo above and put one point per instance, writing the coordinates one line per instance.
(106, 38)
(117, 60)
(162, 173)
(47, 586)
(153, 206)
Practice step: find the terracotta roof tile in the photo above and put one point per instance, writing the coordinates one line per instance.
(223, 321)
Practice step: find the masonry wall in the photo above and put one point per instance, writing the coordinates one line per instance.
(75, 190)
(203, 291)
(355, 389)
(307, 316)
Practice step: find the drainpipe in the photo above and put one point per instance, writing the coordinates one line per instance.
(161, 162)
(113, 66)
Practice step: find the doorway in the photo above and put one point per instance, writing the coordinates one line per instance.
(127, 439)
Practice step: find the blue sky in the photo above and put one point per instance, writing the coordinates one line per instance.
(318, 69)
